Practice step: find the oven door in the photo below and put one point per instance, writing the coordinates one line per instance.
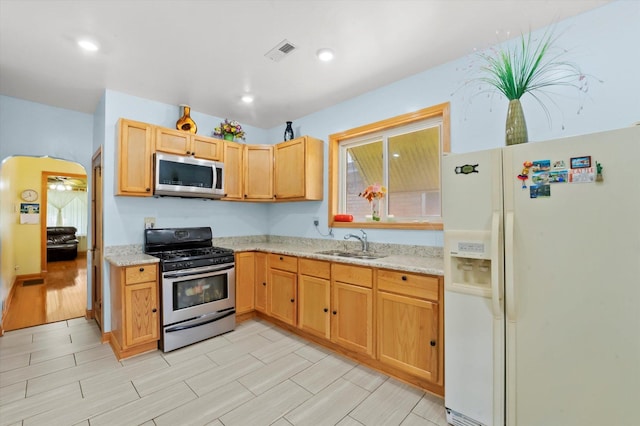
(197, 292)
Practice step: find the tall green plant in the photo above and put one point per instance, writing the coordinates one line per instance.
(530, 66)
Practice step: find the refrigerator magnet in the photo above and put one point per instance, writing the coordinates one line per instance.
(466, 169)
(599, 177)
(581, 162)
(539, 191)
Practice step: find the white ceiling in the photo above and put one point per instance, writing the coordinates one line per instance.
(207, 53)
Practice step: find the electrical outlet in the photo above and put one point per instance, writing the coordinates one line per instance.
(149, 222)
(316, 221)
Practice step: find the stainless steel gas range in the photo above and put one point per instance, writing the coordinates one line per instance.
(197, 285)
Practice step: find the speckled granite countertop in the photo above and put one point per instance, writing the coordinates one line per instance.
(127, 256)
(401, 262)
(418, 259)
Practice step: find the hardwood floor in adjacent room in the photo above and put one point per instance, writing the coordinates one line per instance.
(62, 296)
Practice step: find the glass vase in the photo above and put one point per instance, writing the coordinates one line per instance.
(288, 132)
(375, 209)
(516, 128)
(185, 122)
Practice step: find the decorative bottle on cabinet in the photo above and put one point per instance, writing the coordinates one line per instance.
(288, 132)
(185, 122)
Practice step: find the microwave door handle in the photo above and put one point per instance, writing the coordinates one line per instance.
(203, 272)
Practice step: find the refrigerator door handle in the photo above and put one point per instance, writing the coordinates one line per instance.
(510, 307)
(495, 262)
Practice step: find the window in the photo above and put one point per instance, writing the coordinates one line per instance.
(401, 154)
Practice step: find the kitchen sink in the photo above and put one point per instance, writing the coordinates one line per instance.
(352, 254)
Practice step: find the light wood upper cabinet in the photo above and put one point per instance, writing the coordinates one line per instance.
(299, 165)
(245, 282)
(258, 172)
(135, 317)
(233, 175)
(248, 172)
(261, 282)
(314, 297)
(184, 143)
(135, 159)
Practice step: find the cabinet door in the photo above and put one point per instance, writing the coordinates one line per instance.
(408, 334)
(173, 141)
(281, 295)
(290, 169)
(261, 282)
(141, 319)
(135, 157)
(245, 279)
(313, 305)
(207, 148)
(258, 172)
(352, 317)
(233, 175)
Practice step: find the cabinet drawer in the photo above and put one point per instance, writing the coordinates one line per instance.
(281, 261)
(140, 273)
(423, 286)
(315, 268)
(352, 274)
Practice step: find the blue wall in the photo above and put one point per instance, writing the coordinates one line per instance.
(603, 42)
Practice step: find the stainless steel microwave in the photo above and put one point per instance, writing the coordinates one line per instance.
(183, 176)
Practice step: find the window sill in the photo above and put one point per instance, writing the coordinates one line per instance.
(431, 226)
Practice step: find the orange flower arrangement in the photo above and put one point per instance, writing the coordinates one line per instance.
(373, 191)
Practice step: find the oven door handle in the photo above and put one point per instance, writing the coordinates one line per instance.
(209, 318)
(198, 271)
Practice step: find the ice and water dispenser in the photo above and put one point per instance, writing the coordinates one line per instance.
(467, 262)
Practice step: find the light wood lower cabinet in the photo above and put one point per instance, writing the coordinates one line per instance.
(245, 282)
(135, 317)
(409, 323)
(352, 307)
(389, 320)
(282, 287)
(261, 282)
(314, 297)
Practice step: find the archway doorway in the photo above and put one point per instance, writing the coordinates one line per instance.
(42, 291)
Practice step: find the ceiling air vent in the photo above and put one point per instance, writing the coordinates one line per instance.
(284, 48)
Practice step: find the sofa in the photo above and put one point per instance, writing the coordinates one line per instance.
(62, 243)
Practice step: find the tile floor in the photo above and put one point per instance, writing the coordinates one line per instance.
(60, 374)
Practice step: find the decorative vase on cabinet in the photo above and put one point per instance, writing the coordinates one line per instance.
(228, 137)
(185, 122)
(288, 132)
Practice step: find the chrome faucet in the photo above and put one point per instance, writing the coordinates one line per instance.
(363, 239)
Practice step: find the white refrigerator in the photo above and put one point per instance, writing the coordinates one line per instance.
(542, 283)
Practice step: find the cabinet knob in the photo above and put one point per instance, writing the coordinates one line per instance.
(141, 269)
(188, 152)
(335, 312)
(293, 300)
(281, 258)
(154, 310)
(245, 195)
(264, 284)
(404, 278)
(432, 343)
(326, 310)
(148, 189)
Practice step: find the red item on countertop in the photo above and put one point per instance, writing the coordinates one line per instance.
(343, 218)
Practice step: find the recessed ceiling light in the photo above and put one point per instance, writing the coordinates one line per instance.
(88, 45)
(247, 99)
(325, 55)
